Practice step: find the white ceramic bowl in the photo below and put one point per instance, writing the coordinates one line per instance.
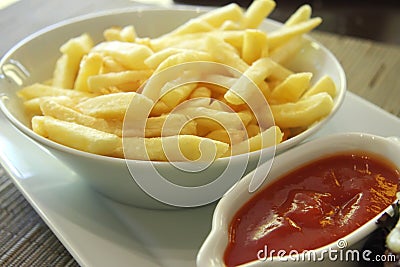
(212, 250)
(33, 59)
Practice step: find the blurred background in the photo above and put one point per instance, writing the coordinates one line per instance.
(377, 20)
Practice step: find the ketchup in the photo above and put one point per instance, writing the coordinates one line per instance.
(312, 206)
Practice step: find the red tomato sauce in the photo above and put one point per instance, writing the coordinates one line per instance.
(312, 206)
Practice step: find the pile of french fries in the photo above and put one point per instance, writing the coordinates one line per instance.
(84, 104)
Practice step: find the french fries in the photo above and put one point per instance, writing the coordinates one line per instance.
(173, 148)
(78, 136)
(119, 98)
(257, 12)
(67, 65)
(303, 112)
(292, 87)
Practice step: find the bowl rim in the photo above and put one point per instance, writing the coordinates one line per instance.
(231, 199)
(338, 100)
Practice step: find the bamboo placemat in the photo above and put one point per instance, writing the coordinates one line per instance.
(25, 240)
(372, 68)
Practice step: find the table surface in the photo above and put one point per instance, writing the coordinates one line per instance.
(371, 69)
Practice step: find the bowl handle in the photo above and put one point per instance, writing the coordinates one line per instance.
(13, 75)
(13, 71)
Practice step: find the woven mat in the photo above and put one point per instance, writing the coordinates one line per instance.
(25, 239)
(371, 68)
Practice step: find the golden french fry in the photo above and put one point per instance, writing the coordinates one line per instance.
(284, 34)
(130, 55)
(272, 83)
(114, 106)
(65, 71)
(230, 25)
(157, 58)
(303, 13)
(133, 78)
(260, 70)
(112, 34)
(39, 90)
(143, 41)
(192, 26)
(177, 41)
(213, 119)
(304, 112)
(195, 41)
(324, 84)
(217, 90)
(67, 65)
(244, 88)
(234, 38)
(257, 12)
(252, 130)
(128, 33)
(183, 57)
(32, 106)
(219, 83)
(171, 124)
(227, 136)
(206, 125)
(265, 90)
(270, 137)
(58, 111)
(77, 136)
(173, 148)
(126, 87)
(125, 34)
(194, 148)
(246, 116)
(78, 46)
(224, 53)
(286, 51)
(219, 135)
(199, 102)
(196, 44)
(178, 94)
(217, 17)
(90, 65)
(159, 108)
(111, 65)
(279, 72)
(292, 88)
(255, 45)
(38, 126)
(200, 92)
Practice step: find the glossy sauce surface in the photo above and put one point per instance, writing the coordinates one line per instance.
(312, 206)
